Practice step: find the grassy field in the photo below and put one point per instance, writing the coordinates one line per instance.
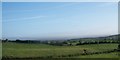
(22, 50)
(0, 50)
(108, 55)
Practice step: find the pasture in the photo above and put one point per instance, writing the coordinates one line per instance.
(25, 50)
(108, 55)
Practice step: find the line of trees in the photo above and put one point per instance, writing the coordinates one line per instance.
(63, 43)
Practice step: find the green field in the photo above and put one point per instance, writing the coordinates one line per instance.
(23, 50)
(108, 55)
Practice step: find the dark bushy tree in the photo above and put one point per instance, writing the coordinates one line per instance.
(6, 40)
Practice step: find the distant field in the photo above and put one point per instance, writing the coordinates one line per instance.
(23, 50)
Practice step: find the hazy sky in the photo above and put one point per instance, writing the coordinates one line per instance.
(58, 20)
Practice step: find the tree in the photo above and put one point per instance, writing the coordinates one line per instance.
(119, 47)
(118, 43)
(17, 40)
(6, 40)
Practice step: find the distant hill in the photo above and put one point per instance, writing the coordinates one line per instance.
(111, 37)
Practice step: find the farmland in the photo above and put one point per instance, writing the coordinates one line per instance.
(100, 47)
(23, 50)
(108, 55)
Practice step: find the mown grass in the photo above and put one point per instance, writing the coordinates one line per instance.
(22, 50)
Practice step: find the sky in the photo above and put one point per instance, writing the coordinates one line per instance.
(60, 0)
(0, 20)
(58, 20)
